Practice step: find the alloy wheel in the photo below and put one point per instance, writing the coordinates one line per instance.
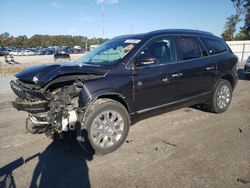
(107, 129)
(223, 97)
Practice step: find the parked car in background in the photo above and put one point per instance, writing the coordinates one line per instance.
(61, 54)
(77, 51)
(129, 75)
(247, 68)
(49, 51)
(27, 52)
(61, 51)
(21, 52)
(15, 52)
(3, 52)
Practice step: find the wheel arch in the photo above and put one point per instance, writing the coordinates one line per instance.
(116, 97)
(229, 78)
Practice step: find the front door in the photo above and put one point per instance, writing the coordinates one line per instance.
(151, 82)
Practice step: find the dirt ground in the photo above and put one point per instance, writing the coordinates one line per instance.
(182, 148)
(21, 62)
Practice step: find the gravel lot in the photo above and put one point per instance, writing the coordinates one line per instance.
(38, 59)
(182, 148)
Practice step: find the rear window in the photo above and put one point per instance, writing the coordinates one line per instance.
(214, 46)
(190, 48)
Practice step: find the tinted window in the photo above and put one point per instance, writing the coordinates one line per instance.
(203, 49)
(214, 46)
(189, 47)
(162, 49)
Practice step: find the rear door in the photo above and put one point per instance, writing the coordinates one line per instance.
(194, 74)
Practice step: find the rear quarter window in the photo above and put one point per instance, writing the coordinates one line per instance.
(214, 46)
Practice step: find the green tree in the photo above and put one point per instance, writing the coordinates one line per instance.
(47, 40)
(245, 30)
(233, 20)
(230, 27)
(22, 41)
(6, 39)
(242, 12)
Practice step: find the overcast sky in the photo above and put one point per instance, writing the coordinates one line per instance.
(83, 17)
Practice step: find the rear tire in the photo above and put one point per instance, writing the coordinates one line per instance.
(107, 122)
(221, 98)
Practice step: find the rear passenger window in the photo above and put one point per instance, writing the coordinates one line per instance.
(214, 46)
(189, 47)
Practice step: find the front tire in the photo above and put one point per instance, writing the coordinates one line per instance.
(221, 98)
(107, 122)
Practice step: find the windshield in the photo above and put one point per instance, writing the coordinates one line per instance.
(110, 52)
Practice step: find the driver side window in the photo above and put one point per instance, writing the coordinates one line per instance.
(162, 49)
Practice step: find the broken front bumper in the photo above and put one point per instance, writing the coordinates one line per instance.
(33, 101)
(26, 93)
(32, 107)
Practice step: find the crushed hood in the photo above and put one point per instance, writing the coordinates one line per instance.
(43, 74)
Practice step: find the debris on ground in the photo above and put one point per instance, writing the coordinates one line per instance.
(243, 181)
(168, 143)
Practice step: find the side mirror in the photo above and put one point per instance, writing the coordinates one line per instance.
(145, 60)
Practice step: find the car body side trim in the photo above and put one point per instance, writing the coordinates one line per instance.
(172, 103)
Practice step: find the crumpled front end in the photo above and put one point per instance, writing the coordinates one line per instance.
(50, 94)
(52, 111)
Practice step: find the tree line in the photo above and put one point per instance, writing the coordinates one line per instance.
(48, 40)
(242, 14)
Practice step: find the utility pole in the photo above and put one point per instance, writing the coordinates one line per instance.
(102, 14)
(86, 45)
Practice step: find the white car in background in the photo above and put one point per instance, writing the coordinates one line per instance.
(15, 53)
(28, 52)
(22, 53)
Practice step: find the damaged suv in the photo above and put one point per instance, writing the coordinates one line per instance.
(127, 75)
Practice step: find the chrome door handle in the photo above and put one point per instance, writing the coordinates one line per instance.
(165, 79)
(177, 75)
(210, 68)
(139, 83)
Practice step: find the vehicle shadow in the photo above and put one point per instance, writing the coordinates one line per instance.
(135, 118)
(62, 164)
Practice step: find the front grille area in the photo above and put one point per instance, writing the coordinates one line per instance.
(25, 93)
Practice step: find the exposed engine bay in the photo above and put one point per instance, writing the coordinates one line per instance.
(53, 110)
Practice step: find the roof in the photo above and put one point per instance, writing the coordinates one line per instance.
(180, 31)
(167, 31)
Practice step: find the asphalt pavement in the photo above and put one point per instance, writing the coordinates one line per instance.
(182, 148)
